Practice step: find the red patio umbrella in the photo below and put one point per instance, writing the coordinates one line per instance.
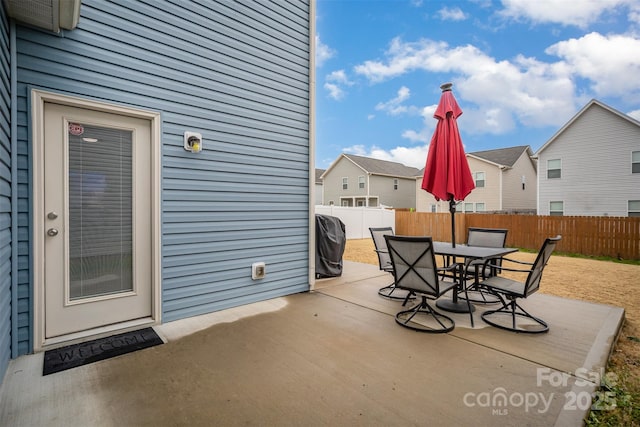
(447, 175)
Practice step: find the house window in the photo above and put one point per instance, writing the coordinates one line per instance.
(360, 203)
(634, 207)
(468, 207)
(331, 203)
(554, 168)
(479, 207)
(433, 208)
(395, 184)
(345, 184)
(345, 203)
(361, 182)
(556, 208)
(478, 177)
(635, 162)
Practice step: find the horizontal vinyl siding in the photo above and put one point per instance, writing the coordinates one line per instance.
(237, 72)
(514, 196)
(596, 166)
(403, 197)
(332, 182)
(6, 237)
(492, 192)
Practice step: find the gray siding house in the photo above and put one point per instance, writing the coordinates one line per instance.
(150, 152)
(505, 181)
(363, 181)
(591, 166)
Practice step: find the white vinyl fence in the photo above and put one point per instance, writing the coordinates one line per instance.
(357, 220)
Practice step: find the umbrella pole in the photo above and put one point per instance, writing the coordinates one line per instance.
(452, 209)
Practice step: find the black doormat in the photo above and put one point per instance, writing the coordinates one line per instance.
(71, 356)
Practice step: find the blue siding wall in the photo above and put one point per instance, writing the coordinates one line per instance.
(238, 72)
(5, 196)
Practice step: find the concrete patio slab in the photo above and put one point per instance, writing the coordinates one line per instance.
(333, 356)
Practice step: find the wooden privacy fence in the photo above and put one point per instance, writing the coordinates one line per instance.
(615, 237)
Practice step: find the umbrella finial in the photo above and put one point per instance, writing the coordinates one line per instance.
(446, 86)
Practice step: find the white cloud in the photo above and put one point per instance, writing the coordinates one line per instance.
(323, 52)
(452, 14)
(635, 114)
(338, 76)
(413, 156)
(394, 106)
(414, 136)
(576, 13)
(611, 63)
(334, 90)
(523, 90)
(334, 83)
(358, 150)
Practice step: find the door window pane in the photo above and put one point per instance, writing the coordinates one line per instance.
(100, 211)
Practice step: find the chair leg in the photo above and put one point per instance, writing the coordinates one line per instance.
(482, 296)
(514, 311)
(388, 292)
(466, 295)
(443, 323)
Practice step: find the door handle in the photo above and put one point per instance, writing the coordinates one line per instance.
(52, 232)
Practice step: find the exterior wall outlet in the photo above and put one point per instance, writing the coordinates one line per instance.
(258, 270)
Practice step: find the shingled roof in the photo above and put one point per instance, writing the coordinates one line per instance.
(503, 156)
(383, 167)
(319, 173)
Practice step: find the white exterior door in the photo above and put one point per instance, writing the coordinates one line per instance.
(96, 216)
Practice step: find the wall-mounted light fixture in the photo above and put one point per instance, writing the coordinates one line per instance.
(193, 142)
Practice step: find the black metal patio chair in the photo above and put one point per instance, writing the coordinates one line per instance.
(384, 261)
(509, 291)
(487, 237)
(415, 270)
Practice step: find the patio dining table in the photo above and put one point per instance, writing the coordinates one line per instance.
(466, 252)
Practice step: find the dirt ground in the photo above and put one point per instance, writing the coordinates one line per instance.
(598, 281)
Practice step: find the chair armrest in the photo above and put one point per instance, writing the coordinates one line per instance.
(488, 263)
(502, 267)
(517, 261)
(449, 267)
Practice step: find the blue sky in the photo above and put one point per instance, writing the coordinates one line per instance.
(520, 70)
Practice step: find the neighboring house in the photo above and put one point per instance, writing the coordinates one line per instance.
(318, 189)
(363, 181)
(591, 166)
(150, 153)
(505, 181)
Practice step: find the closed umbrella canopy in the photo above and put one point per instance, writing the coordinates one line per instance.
(447, 175)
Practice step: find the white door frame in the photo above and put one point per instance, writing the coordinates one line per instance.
(38, 99)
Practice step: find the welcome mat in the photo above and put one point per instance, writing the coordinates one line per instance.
(71, 356)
